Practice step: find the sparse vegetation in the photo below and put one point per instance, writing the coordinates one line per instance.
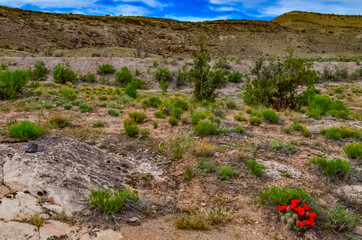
(335, 167)
(255, 167)
(341, 132)
(12, 83)
(104, 69)
(205, 128)
(282, 196)
(130, 127)
(25, 130)
(138, 117)
(353, 150)
(63, 74)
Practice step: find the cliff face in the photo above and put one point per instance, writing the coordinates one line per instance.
(310, 34)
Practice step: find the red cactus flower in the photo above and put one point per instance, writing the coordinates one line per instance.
(300, 223)
(312, 214)
(307, 222)
(295, 201)
(306, 207)
(301, 213)
(291, 206)
(312, 224)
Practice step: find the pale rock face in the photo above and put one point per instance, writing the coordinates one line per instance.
(18, 231)
(275, 170)
(54, 228)
(19, 208)
(352, 192)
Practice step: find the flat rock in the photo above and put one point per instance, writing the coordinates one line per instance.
(65, 170)
(57, 209)
(18, 231)
(275, 170)
(19, 208)
(53, 229)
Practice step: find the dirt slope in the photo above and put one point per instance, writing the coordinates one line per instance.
(310, 34)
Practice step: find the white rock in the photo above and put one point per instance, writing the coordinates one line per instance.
(275, 170)
(19, 208)
(57, 209)
(109, 235)
(18, 231)
(54, 229)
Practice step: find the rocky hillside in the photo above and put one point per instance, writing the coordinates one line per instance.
(310, 34)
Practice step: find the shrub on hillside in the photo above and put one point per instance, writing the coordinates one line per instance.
(105, 69)
(235, 77)
(124, 77)
(25, 130)
(163, 73)
(40, 71)
(63, 74)
(205, 128)
(130, 127)
(353, 150)
(12, 83)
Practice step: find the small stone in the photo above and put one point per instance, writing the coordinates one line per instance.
(134, 221)
(32, 148)
(203, 204)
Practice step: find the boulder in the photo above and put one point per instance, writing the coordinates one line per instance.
(275, 170)
(18, 231)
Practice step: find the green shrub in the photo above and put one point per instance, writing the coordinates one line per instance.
(77, 102)
(67, 106)
(195, 220)
(105, 69)
(353, 150)
(334, 167)
(47, 105)
(111, 201)
(89, 77)
(155, 124)
(145, 132)
(68, 93)
(240, 118)
(130, 127)
(239, 129)
(255, 121)
(177, 112)
(205, 166)
(275, 144)
(154, 101)
(179, 146)
(341, 132)
(131, 89)
(40, 71)
(98, 124)
(300, 128)
(226, 172)
(341, 220)
(182, 76)
(277, 83)
(255, 167)
(155, 63)
(164, 86)
(160, 114)
(222, 63)
(12, 83)
(177, 103)
(163, 74)
(113, 112)
(231, 105)
(270, 116)
(188, 173)
(235, 77)
(173, 121)
(59, 122)
(63, 74)
(320, 105)
(103, 98)
(85, 108)
(138, 117)
(124, 77)
(283, 196)
(25, 130)
(205, 128)
(197, 116)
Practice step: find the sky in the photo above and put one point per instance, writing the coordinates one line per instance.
(190, 10)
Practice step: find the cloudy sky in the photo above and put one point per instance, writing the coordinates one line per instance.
(190, 10)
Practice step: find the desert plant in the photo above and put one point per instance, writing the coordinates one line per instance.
(12, 83)
(40, 71)
(270, 116)
(182, 76)
(197, 116)
(231, 105)
(164, 86)
(131, 89)
(235, 77)
(164, 74)
(67, 106)
(339, 219)
(25, 130)
(188, 173)
(335, 167)
(63, 74)
(123, 77)
(239, 129)
(111, 201)
(58, 121)
(282, 196)
(104, 69)
(130, 127)
(155, 124)
(353, 150)
(145, 133)
(89, 77)
(240, 118)
(98, 124)
(225, 172)
(36, 220)
(68, 93)
(255, 167)
(84, 108)
(138, 117)
(160, 114)
(113, 112)
(154, 102)
(341, 132)
(173, 121)
(155, 63)
(205, 166)
(320, 105)
(255, 121)
(205, 128)
(179, 146)
(300, 128)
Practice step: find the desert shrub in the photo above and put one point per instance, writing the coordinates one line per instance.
(47, 105)
(89, 77)
(160, 114)
(145, 132)
(255, 167)
(321, 105)
(226, 172)
(179, 146)
(40, 71)
(275, 144)
(85, 108)
(68, 93)
(123, 77)
(204, 86)
(270, 116)
(240, 118)
(276, 84)
(197, 116)
(67, 106)
(77, 102)
(138, 117)
(111, 201)
(3, 67)
(63, 74)
(335, 167)
(164, 86)
(104, 69)
(182, 76)
(155, 124)
(130, 127)
(235, 77)
(177, 112)
(231, 105)
(25, 130)
(113, 112)
(353, 150)
(139, 84)
(188, 173)
(154, 101)
(222, 63)
(12, 83)
(155, 63)
(339, 219)
(205, 128)
(205, 166)
(300, 128)
(98, 124)
(59, 121)
(239, 129)
(203, 148)
(173, 121)
(282, 196)
(341, 132)
(255, 121)
(177, 103)
(164, 74)
(218, 77)
(131, 90)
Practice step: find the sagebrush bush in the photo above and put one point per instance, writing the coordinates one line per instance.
(235, 77)
(341, 132)
(25, 130)
(113, 112)
(98, 124)
(334, 167)
(225, 172)
(164, 86)
(123, 77)
(197, 116)
(138, 117)
(89, 77)
(173, 121)
(111, 201)
(84, 108)
(68, 93)
(321, 105)
(240, 118)
(205, 128)
(163, 74)
(270, 116)
(341, 220)
(300, 128)
(59, 121)
(67, 106)
(12, 83)
(179, 146)
(177, 103)
(160, 114)
(131, 89)
(255, 167)
(130, 127)
(105, 69)
(353, 150)
(39, 72)
(255, 121)
(63, 74)
(154, 102)
(283, 196)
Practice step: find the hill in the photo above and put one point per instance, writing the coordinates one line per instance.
(50, 34)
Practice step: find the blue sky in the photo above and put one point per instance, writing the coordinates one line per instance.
(190, 10)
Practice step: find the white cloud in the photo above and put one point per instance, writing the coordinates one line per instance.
(224, 9)
(151, 3)
(195, 19)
